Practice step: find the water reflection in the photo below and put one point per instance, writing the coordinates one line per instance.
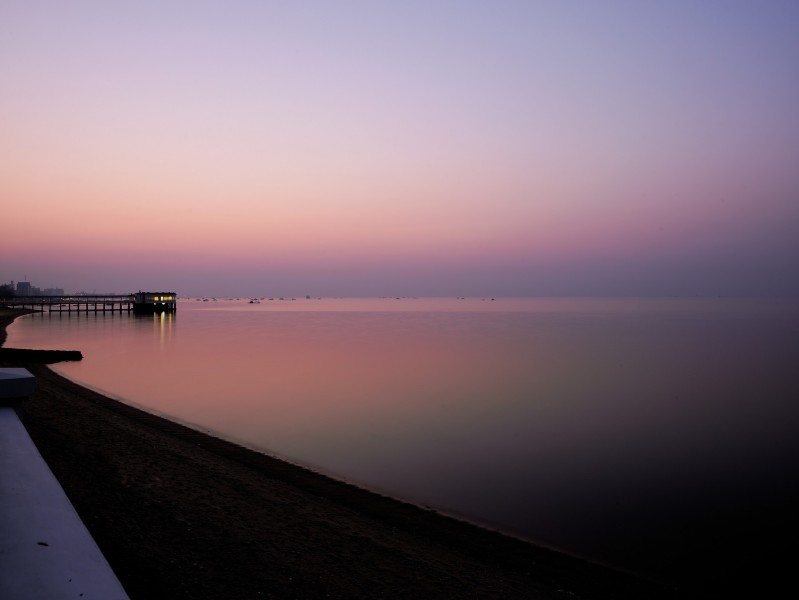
(162, 327)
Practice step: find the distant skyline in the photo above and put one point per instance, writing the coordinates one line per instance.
(437, 148)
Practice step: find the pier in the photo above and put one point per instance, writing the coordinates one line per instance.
(79, 303)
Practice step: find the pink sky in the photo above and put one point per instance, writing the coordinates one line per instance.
(430, 148)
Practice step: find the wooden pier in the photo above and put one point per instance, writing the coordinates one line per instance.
(69, 304)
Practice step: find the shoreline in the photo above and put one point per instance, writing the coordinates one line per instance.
(181, 514)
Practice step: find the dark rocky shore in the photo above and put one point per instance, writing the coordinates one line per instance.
(179, 514)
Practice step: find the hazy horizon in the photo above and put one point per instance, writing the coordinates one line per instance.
(415, 149)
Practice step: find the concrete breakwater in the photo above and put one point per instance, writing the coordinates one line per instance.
(45, 357)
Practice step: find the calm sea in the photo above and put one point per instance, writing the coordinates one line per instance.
(621, 430)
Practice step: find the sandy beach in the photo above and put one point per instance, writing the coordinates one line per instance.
(180, 514)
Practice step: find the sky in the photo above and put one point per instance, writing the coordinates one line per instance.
(432, 148)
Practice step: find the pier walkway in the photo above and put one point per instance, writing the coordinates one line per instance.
(79, 303)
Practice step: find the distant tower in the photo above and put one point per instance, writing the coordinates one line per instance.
(23, 288)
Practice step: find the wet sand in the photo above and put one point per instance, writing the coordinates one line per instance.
(180, 514)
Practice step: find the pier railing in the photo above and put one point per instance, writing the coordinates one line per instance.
(76, 303)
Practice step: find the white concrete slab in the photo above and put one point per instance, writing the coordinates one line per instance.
(16, 383)
(45, 549)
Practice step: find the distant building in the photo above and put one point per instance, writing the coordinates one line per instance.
(154, 302)
(24, 288)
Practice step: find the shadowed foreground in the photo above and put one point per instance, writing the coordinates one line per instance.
(179, 514)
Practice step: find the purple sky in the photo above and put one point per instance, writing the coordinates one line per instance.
(401, 148)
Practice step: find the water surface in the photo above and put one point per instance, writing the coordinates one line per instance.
(615, 429)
